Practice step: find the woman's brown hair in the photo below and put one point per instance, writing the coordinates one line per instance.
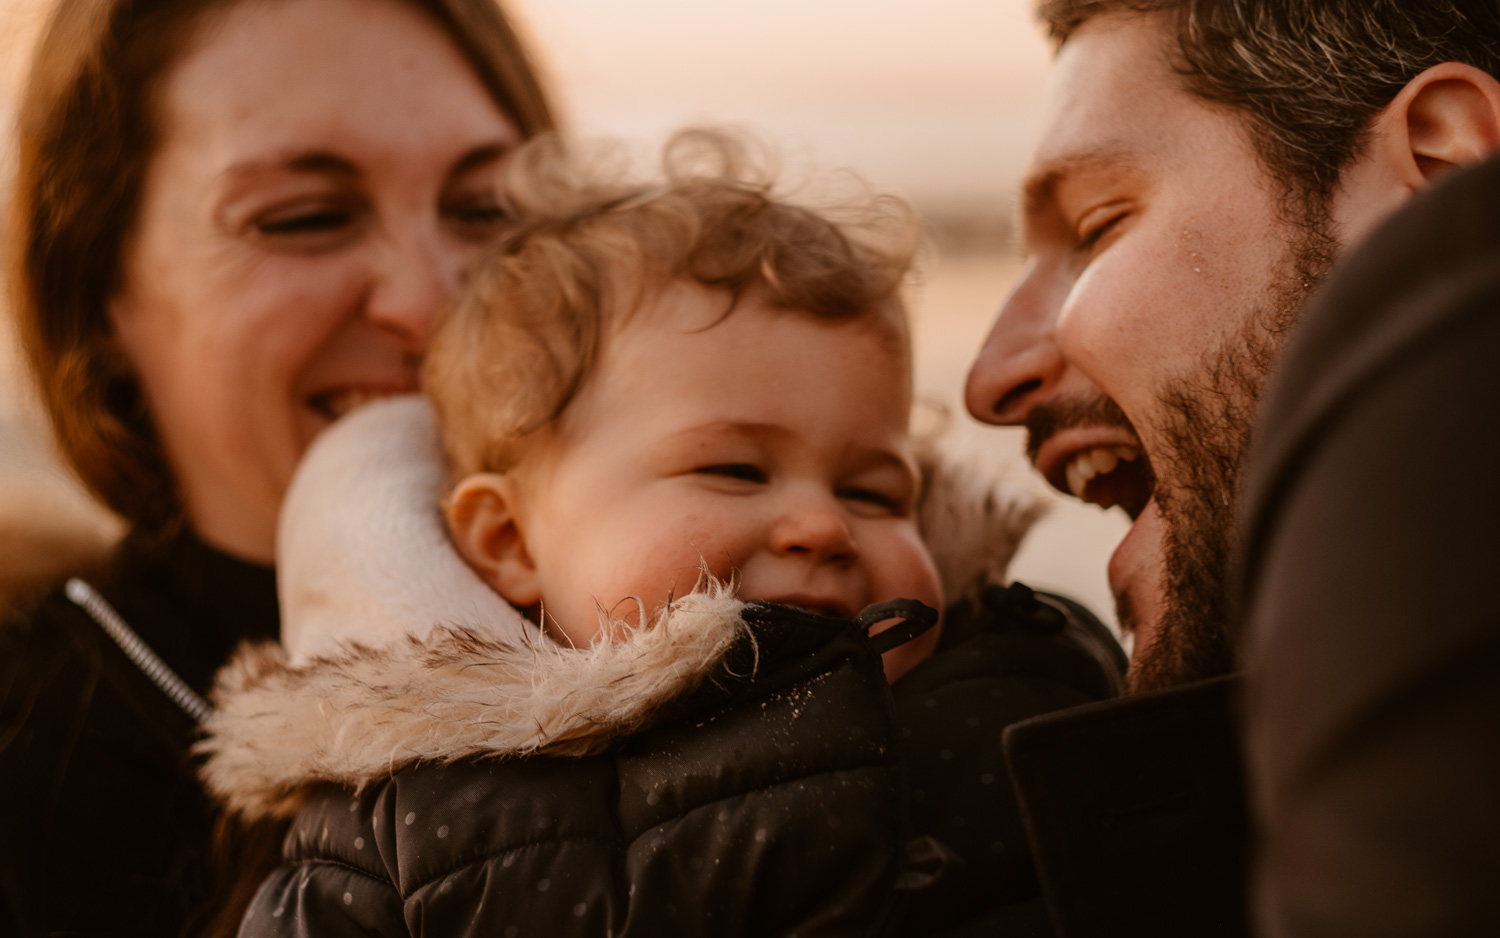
(89, 126)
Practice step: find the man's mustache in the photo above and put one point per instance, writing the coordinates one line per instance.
(1050, 418)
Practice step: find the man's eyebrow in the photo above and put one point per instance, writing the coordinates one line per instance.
(1040, 188)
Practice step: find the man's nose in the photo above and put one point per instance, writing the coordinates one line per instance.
(814, 529)
(1019, 363)
(416, 277)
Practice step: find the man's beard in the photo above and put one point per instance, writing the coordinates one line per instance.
(1206, 429)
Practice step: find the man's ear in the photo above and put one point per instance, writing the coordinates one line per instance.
(1445, 118)
(482, 520)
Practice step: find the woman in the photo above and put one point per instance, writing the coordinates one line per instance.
(233, 222)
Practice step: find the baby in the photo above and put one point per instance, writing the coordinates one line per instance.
(674, 439)
(652, 386)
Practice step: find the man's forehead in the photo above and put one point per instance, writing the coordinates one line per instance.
(1108, 77)
(1115, 105)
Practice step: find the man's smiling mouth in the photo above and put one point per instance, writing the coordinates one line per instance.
(1089, 449)
(1108, 476)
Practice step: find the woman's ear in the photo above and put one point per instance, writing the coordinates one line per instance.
(1445, 118)
(482, 521)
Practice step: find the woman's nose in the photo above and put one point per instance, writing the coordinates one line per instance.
(416, 279)
(815, 530)
(1019, 364)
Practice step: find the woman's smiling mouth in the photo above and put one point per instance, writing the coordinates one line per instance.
(331, 405)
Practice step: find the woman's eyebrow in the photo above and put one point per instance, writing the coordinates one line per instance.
(319, 162)
(479, 157)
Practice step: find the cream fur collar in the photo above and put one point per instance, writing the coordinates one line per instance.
(395, 653)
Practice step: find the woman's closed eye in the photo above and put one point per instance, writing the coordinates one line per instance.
(478, 218)
(309, 226)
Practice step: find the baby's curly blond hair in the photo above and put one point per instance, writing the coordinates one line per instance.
(587, 249)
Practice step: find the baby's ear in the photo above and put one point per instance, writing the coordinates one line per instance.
(482, 520)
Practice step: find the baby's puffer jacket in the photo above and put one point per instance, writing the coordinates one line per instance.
(738, 769)
(765, 801)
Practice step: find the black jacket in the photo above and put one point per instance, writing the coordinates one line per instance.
(1010, 656)
(103, 828)
(769, 804)
(1135, 809)
(1373, 629)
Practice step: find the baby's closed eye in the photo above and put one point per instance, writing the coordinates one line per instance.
(743, 471)
(883, 500)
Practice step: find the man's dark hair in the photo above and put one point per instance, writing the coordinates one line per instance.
(1310, 74)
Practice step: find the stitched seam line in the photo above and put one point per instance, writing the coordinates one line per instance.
(487, 855)
(320, 861)
(778, 784)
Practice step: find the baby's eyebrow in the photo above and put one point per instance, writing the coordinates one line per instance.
(731, 428)
(879, 460)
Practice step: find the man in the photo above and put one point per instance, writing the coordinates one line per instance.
(1202, 164)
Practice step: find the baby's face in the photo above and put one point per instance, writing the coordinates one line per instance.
(768, 446)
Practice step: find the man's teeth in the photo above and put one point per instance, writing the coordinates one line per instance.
(1099, 461)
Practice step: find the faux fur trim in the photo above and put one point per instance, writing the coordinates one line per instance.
(393, 651)
(973, 519)
(361, 715)
(362, 554)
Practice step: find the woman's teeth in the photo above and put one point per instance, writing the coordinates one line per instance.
(336, 404)
(1085, 466)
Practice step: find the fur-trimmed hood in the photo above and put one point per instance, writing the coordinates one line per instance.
(394, 652)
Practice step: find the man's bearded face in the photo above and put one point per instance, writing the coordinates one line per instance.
(1207, 425)
(1165, 267)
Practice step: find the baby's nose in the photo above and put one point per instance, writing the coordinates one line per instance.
(816, 531)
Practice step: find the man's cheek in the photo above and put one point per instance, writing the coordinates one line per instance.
(1136, 309)
(1101, 330)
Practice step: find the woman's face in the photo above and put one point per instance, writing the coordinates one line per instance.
(326, 175)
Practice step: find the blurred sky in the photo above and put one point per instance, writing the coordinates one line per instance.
(937, 99)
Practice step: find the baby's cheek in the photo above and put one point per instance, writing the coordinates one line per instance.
(670, 565)
(909, 573)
